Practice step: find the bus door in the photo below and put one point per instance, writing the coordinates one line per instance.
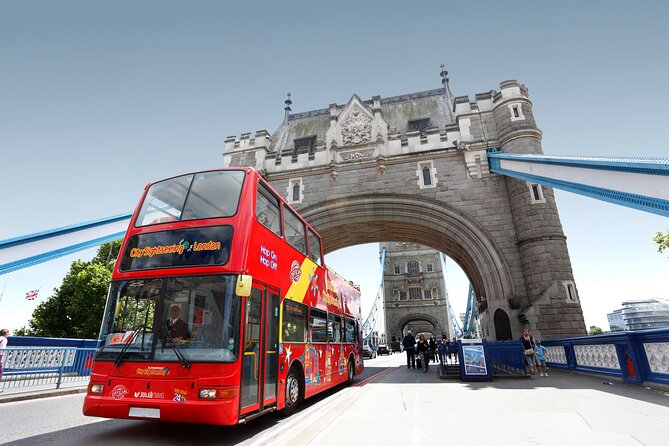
(271, 351)
(259, 362)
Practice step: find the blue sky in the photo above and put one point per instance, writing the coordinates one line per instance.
(98, 99)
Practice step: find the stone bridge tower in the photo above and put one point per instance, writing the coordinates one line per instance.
(413, 168)
(414, 295)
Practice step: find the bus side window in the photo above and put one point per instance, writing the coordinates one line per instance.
(318, 325)
(315, 248)
(334, 328)
(294, 321)
(268, 211)
(295, 233)
(349, 333)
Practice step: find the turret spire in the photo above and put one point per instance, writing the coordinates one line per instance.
(287, 108)
(444, 81)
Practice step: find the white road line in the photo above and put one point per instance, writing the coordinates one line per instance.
(274, 436)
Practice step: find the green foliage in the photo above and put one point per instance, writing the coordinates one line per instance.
(595, 330)
(76, 307)
(107, 252)
(662, 241)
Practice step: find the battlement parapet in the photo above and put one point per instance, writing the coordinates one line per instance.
(245, 142)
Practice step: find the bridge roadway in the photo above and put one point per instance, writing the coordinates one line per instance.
(389, 405)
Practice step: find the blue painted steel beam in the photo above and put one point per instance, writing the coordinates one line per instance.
(372, 317)
(455, 322)
(638, 183)
(32, 249)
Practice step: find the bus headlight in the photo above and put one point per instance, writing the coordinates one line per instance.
(209, 394)
(97, 388)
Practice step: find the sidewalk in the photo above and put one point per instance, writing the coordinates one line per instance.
(12, 394)
(410, 407)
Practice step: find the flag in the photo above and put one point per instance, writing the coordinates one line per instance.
(31, 295)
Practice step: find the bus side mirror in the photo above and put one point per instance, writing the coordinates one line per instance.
(244, 285)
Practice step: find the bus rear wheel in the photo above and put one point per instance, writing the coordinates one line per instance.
(351, 371)
(293, 392)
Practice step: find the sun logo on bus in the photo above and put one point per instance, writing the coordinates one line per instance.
(295, 271)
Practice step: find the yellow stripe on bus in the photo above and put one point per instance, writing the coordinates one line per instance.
(298, 290)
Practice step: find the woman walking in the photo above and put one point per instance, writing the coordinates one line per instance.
(423, 348)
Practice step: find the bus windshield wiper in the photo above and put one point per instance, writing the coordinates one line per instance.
(126, 344)
(177, 350)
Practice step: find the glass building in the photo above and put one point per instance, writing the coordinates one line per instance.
(616, 322)
(643, 314)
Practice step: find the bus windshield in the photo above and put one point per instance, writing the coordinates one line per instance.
(190, 197)
(195, 318)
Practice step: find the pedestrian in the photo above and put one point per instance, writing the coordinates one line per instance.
(443, 351)
(453, 347)
(409, 344)
(3, 345)
(433, 350)
(540, 353)
(528, 350)
(423, 349)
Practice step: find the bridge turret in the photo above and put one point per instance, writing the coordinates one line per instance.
(514, 118)
(551, 307)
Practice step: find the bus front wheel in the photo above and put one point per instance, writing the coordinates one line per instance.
(293, 391)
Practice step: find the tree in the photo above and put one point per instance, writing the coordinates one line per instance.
(595, 330)
(76, 307)
(662, 241)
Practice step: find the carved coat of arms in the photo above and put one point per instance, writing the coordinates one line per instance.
(357, 128)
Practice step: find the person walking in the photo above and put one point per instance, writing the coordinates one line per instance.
(3, 345)
(409, 343)
(443, 351)
(453, 348)
(433, 350)
(423, 349)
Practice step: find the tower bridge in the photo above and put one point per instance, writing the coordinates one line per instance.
(414, 168)
(467, 178)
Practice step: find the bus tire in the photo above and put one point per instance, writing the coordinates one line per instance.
(293, 391)
(351, 370)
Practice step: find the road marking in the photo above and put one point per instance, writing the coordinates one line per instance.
(375, 376)
(274, 436)
(288, 429)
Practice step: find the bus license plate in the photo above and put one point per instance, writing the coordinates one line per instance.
(143, 412)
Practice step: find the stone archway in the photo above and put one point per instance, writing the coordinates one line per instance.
(422, 323)
(368, 218)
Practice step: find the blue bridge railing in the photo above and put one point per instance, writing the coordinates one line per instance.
(507, 357)
(635, 357)
(31, 362)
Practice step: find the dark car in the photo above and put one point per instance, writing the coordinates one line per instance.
(368, 352)
(396, 346)
(383, 349)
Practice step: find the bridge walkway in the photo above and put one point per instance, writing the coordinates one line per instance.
(394, 405)
(409, 407)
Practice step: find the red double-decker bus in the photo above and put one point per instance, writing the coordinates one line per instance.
(221, 307)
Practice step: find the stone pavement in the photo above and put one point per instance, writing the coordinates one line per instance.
(407, 407)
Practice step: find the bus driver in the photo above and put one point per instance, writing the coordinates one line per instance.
(177, 327)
